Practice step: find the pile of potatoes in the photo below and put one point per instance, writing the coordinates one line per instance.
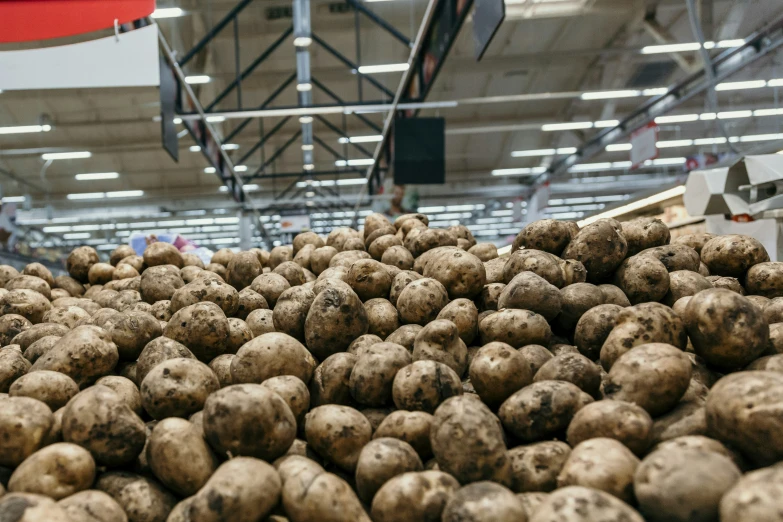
(399, 373)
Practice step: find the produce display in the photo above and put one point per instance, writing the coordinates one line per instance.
(399, 373)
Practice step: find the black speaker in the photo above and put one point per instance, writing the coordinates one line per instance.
(419, 151)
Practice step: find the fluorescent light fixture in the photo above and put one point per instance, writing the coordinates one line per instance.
(65, 155)
(617, 147)
(677, 118)
(177, 120)
(352, 181)
(361, 139)
(542, 152)
(777, 82)
(250, 187)
(125, 194)
(240, 168)
(167, 12)
(57, 229)
(97, 175)
(728, 44)
(385, 68)
(607, 95)
(733, 86)
(602, 124)
(768, 112)
(636, 205)
(78, 235)
(307, 146)
(309, 194)
(655, 91)
(197, 79)
(709, 141)
(586, 167)
(209, 170)
(305, 119)
(363, 162)
(575, 125)
(304, 87)
(194, 148)
(761, 137)
(86, 195)
(25, 129)
(14, 199)
(518, 171)
(308, 166)
(230, 146)
(302, 41)
(621, 164)
(672, 48)
(674, 143)
(666, 161)
(216, 119)
(728, 115)
(707, 116)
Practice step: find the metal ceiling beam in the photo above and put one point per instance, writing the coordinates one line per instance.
(213, 32)
(380, 22)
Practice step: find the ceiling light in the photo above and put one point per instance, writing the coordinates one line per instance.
(65, 155)
(655, 91)
(361, 139)
(125, 194)
(309, 194)
(602, 124)
(352, 181)
(728, 44)
(14, 199)
(777, 82)
(606, 95)
(584, 167)
(167, 12)
(177, 120)
(25, 129)
(308, 166)
(78, 235)
(761, 137)
(576, 125)
(215, 119)
(305, 119)
(304, 87)
(674, 143)
(86, 195)
(354, 162)
(532, 153)
(707, 116)
(389, 67)
(672, 48)
(209, 170)
(616, 147)
(197, 79)
(250, 187)
(636, 205)
(666, 161)
(240, 168)
(677, 118)
(518, 171)
(733, 86)
(97, 175)
(230, 146)
(768, 112)
(57, 229)
(734, 114)
(307, 146)
(309, 203)
(302, 41)
(621, 164)
(194, 148)
(709, 141)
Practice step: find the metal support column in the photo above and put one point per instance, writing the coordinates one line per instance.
(245, 230)
(302, 41)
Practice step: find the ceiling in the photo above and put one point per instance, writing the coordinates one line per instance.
(560, 47)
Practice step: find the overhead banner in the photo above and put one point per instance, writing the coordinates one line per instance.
(128, 59)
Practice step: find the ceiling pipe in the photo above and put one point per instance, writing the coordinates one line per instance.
(304, 86)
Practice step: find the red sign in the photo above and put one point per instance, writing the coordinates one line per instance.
(27, 20)
(643, 143)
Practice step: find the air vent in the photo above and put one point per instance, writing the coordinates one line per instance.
(652, 74)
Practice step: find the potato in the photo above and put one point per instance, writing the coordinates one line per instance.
(574, 368)
(270, 355)
(291, 272)
(395, 255)
(294, 392)
(260, 322)
(177, 388)
(159, 283)
(542, 264)
(79, 262)
(467, 441)
(412, 427)
(684, 283)
(725, 328)
(28, 336)
(484, 251)
(420, 496)
(374, 372)
(249, 300)
(601, 463)
(593, 327)
(683, 484)
(439, 341)
(542, 409)
(52, 388)
(494, 270)
(688, 418)
(161, 253)
(497, 371)
(461, 274)
(755, 496)
(92, 505)
(581, 504)
(576, 300)
(382, 317)
(338, 433)
(242, 269)
(330, 383)
(204, 289)
(202, 327)
(221, 365)
(143, 499)
(191, 273)
(133, 260)
(189, 259)
(655, 376)
(29, 507)
(131, 331)
(56, 471)
(515, 327)
(733, 413)
(535, 467)
(645, 232)
(548, 235)
(291, 311)
(69, 284)
(320, 258)
(483, 501)
(489, 296)
(619, 420)
(270, 286)
(13, 366)
(765, 279)
(125, 388)
(40, 347)
(224, 256)
(733, 255)
(729, 283)
(335, 319)
(424, 385)
(369, 279)
(30, 283)
(528, 291)
(363, 342)
(642, 278)
(216, 269)
(535, 356)
(179, 456)
(248, 420)
(99, 420)
(84, 354)
(773, 363)
(29, 304)
(101, 273)
(600, 247)
(376, 415)
(157, 351)
(24, 426)
(382, 459)
(400, 282)
(40, 271)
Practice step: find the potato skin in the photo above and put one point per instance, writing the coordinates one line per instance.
(206, 289)
(549, 235)
(412, 427)
(291, 311)
(380, 460)
(248, 420)
(92, 505)
(177, 388)
(528, 291)
(205, 330)
(684, 283)
(27, 303)
(643, 233)
(294, 392)
(478, 454)
(131, 331)
(84, 354)
(143, 499)
(373, 374)
(483, 501)
(535, 467)
(755, 496)
(541, 409)
(270, 355)
(336, 318)
(179, 456)
(159, 283)
(420, 496)
(97, 419)
(30, 507)
(423, 385)
(338, 433)
(619, 420)
(13, 366)
(733, 255)
(421, 301)
(439, 341)
(515, 327)
(461, 273)
(765, 279)
(52, 388)
(642, 278)
(600, 247)
(24, 426)
(574, 368)
(603, 464)
(497, 371)
(56, 471)
(243, 268)
(330, 380)
(726, 329)
(580, 504)
(79, 262)
(594, 327)
(484, 251)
